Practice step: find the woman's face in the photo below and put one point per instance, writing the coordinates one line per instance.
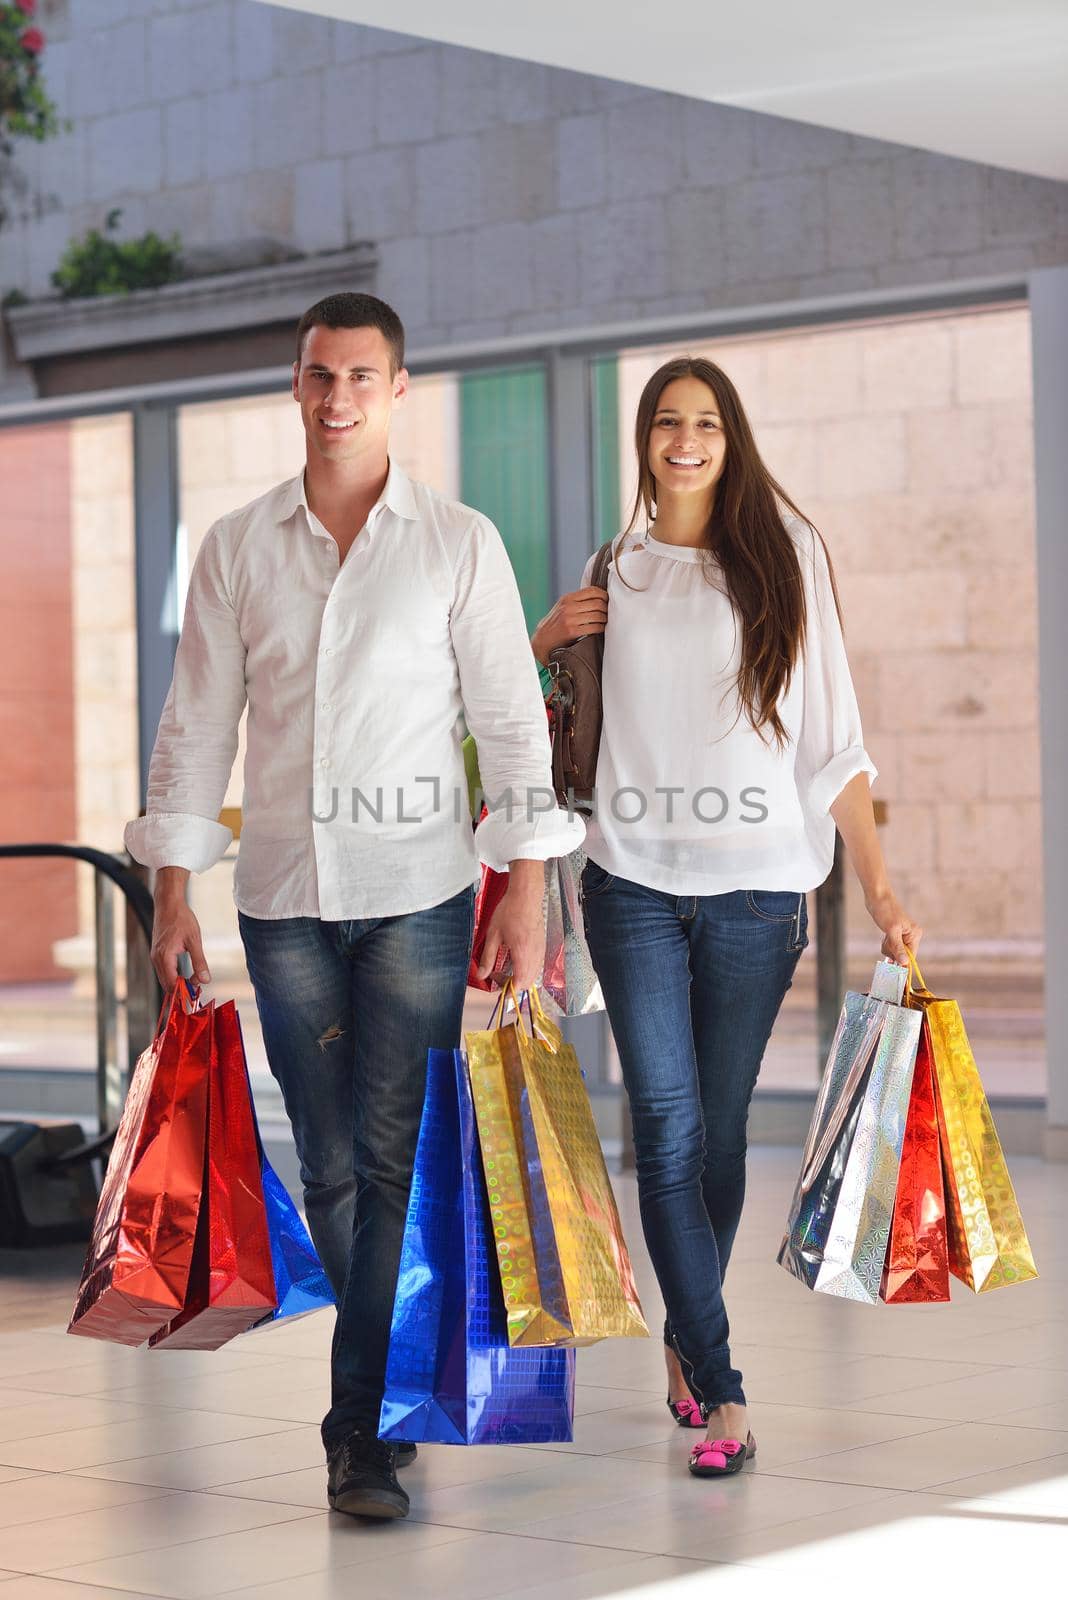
(687, 448)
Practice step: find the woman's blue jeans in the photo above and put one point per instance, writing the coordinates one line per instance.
(692, 985)
(349, 1011)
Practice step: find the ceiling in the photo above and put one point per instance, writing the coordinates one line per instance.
(983, 79)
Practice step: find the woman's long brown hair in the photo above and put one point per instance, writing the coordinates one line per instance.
(747, 536)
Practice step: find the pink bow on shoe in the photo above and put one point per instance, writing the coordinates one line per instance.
(715, 1452)
(691, 1412)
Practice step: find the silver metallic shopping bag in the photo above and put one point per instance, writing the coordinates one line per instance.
(839, 1223)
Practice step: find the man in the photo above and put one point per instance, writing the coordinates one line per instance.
(362, 616)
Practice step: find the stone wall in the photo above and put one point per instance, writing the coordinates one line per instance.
(504, 197)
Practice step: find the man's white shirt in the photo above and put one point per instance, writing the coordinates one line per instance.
(358, 677)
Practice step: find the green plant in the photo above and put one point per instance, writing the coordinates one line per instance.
(25, 108)
(100, 264)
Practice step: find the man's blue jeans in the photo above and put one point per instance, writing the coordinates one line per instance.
(349, 1011)
(693, 985)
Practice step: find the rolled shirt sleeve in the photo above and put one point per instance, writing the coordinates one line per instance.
(198, 730)
(830, 747)
(505, 710)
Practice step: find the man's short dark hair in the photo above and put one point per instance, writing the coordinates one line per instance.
(355, 311)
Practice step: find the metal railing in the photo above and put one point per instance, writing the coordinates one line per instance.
(143, 996)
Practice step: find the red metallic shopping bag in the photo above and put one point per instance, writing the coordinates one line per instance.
(231, 1282)
(488, 896)
(137, 1267)
(917, 1259)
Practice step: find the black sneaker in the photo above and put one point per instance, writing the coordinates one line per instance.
(404, 1453)
(361, 1477)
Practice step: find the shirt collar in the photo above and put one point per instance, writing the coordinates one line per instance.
(398, 495)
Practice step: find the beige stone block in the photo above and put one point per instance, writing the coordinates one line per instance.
(425, 437)
(251, 436)
(104, 597)
(1013, 764)
(107, 669)
(950, 450)
(992, 528)
(1003, 610)
(866, 672)
(289, 439)
(861, 456)
(204, 506)
(1012, 455)
(964, 690)
(102, 456)
(813, 376)
(934, 765)
(906, 366)
(993, 358)
(884, 749)
(908, 839)
(983, 835)
(907, 609)
(978, 904)
(790, 451)
(745, 361)
(211, 896)
(203, 446)
(102, 530)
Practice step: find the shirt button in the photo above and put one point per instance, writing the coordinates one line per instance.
(328, 652)
(325, 706)
(324, 762)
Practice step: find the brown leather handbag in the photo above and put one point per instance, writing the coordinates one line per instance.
(575, 703)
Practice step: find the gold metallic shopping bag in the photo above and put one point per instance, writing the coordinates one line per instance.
(988, 1244)
(565, 1270)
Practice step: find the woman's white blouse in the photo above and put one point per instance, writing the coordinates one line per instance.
(690, 799)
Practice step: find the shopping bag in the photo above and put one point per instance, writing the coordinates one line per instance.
(451, 1376)
(231, 1281)
(917, 1267)
(839, 1221)
(137, 1266)
(988, 1244)
(568, 977)
(488, 896)
(564, 1266)
(300, 1281)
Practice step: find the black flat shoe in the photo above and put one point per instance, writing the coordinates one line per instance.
(687, 1413)
(719, 1458)
(404, 1453)
(362, 1478)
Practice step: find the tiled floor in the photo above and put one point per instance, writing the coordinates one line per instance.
(900, 1450)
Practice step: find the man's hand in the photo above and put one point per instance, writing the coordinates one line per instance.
(583, 611)
(175, 929)
(518, 926)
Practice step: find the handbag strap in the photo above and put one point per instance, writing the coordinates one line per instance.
(602, 562)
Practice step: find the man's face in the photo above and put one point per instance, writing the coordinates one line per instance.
(346, 391)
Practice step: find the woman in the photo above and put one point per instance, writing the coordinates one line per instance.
(730, 751)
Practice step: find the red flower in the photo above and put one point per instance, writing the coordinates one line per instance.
(33, 41)
(27, 7)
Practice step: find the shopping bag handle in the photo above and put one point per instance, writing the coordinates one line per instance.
(919, 991)
(540, 1024)
(508, 995)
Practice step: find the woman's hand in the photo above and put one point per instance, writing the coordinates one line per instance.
(898, 928)
(583, 611)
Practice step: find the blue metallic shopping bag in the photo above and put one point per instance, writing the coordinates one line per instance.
(300, 1283)
(451, 1377)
